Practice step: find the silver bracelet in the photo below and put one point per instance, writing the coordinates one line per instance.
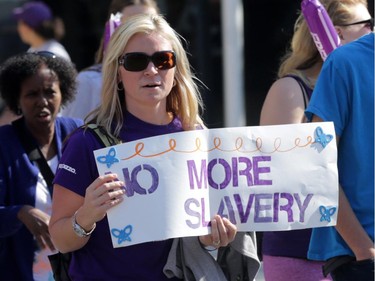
(79, 230)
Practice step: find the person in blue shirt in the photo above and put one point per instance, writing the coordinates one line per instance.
(344, 94)
(284, 253)
(34, 86)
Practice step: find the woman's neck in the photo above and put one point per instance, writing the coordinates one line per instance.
(312, 73)
(37, 42)
(43, 135)
(156, 117)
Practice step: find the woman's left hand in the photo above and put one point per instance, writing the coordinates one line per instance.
(222, 233)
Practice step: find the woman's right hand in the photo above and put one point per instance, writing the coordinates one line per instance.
(101, 195)
(37, 222)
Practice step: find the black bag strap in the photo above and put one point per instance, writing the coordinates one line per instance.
(60, 266)
(334, 263)
(101, 135)
(33, 152)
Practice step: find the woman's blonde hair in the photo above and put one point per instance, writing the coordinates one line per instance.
(303, 53)
(115, 7)
(184, 99)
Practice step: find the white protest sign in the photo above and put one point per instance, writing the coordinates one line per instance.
(261, 178)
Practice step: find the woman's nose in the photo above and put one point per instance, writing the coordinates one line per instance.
(151, 69)
(42, 99)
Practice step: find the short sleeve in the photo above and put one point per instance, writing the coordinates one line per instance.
(77, 167)
(330, 99)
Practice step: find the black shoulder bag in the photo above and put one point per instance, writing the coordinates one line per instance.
(59, 262)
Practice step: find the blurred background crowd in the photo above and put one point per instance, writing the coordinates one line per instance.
(268, 28)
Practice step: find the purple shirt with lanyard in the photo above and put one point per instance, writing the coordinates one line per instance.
(98, 260)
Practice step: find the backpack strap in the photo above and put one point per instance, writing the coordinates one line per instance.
(101, 135)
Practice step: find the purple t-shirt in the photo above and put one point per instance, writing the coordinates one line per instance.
(293, 243)
(98, 260)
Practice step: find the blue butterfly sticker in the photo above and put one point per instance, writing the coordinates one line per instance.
(322, 138)
(123, 234)
(326, 213)
(108, 159)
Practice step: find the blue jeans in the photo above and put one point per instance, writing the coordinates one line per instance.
(354, 271)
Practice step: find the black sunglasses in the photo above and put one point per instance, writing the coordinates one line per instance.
(45, 54)
(139, 61)
(369, 22)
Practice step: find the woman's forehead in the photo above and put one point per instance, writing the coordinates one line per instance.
(147, 43)
(43, 73)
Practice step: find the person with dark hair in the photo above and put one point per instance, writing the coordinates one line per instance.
(89, 80)
(34, 86)
(6, 115)
(38, 28)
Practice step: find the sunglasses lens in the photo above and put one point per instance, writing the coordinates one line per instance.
(164, 60)
(135, 61)
(139, 61)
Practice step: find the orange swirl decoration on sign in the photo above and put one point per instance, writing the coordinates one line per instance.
(239, 146)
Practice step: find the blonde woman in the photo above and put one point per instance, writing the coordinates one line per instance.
(148, 90)
(285, 253)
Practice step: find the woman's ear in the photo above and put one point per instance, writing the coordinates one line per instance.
(339, 32)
